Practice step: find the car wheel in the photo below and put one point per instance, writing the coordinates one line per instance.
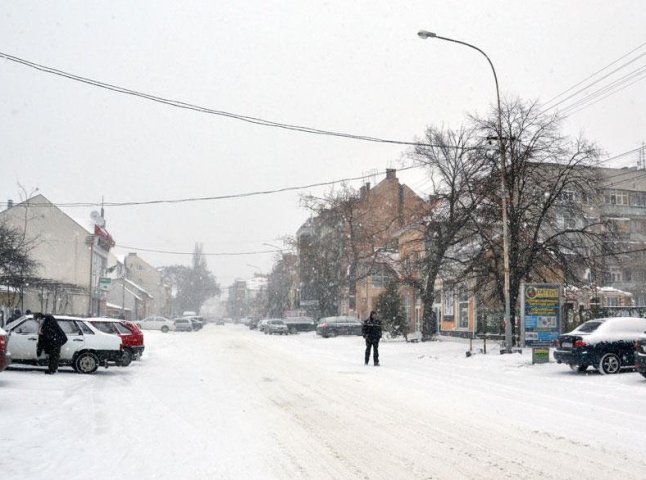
(332, 333)
(643, 374)
(86, 362)
(126, 358)
(609, 364)
(292, 330)
(578, 368)
(164, 329)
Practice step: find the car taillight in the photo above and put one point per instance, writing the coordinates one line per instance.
(580, 344)
(3, 343)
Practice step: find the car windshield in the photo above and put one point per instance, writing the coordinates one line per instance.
(588, 327)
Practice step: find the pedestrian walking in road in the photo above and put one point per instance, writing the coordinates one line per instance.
(372, 334)
(51, 338)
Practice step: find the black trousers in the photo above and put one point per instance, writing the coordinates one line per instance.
(54, 356)
(375, 350)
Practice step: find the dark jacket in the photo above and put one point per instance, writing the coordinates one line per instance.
(51, 337)
(371, 329)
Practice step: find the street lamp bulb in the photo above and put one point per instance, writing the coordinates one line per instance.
(423, 34)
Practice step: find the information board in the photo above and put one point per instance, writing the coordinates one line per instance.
(541, 308)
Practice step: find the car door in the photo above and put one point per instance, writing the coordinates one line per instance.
(23, 339)
(75, 339)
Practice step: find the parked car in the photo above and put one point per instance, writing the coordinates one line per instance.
(252, 323)
(607, 344)
(342, 325)
(131, 337)
(85, 350)
(5, 356)
(262, 323)
(640, 355)
(156, 323)
(197, 322)
(276, 326)
(300, 324)
(183, 325)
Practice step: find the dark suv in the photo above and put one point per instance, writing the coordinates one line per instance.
(607, 344)
(640, 355)
(333, 326)
(300, 324)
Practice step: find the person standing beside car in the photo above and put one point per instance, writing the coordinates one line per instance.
(51, 338)
(371, 331)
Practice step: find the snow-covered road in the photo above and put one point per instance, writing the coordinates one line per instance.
(229, 403)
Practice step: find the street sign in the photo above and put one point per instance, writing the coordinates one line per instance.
(105, 283)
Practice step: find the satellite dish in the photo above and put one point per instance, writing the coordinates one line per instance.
(97, 218)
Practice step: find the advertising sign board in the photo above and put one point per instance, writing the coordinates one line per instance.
(541, 313)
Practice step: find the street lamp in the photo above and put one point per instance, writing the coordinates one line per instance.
(423, 34)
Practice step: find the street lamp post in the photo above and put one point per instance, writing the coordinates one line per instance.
(423, 34)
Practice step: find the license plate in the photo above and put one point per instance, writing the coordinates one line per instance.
(566, 344)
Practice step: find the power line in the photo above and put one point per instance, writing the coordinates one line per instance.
(203, 199)
(198, 108)
(594, 74)
(214, 254)
(607, 90)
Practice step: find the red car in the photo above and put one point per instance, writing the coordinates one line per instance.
(132, 338)
(5, 357)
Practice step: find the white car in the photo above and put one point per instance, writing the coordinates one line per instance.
(156, 323)
(85, 350)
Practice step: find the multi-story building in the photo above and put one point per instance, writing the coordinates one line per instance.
(348, 253)
(71, 256)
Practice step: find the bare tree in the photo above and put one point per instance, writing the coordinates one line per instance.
(352, 235)
(192, 285)
(442, 242)
(16, 265)
(551, 183)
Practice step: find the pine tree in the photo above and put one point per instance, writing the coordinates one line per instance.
(391, 313)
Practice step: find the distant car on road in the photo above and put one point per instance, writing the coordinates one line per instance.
(5, 357)
(300, 324)
(607, 344)
(156, 323)
(262, 323)
(197, 322)
(276, 326)
(341, 325)
(183, 325)
(252, 323)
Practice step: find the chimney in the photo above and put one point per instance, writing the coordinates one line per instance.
(391, 173)
(363, 191)
(9, 204)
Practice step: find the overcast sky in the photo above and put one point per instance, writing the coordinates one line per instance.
(354, 67)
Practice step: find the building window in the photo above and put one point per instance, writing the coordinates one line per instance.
(464, 310)
(638, 199)
(448, 303)
(380, 276)
(616, 197)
